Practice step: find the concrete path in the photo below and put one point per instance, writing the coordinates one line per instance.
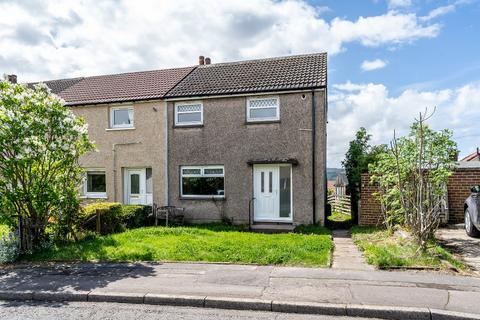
(346, 254)
(456, 239)
(277, 288)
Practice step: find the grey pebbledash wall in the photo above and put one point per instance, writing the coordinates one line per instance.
(226, 139)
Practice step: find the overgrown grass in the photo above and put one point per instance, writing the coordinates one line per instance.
(309, 246)
(385, 250)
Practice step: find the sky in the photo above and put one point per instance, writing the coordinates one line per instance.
(388, 60)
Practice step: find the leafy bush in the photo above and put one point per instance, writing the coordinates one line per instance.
(9, 246)
(110, 217)
(41, 141)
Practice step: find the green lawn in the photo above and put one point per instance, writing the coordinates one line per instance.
(309, 246)
(339, 217)
(391, 251)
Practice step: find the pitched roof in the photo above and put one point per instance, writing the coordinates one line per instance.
(58, 86)
(341, 180)
(274, 74)
(475, 156)
(131, 86)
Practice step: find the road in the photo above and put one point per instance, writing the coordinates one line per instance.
(13, 310)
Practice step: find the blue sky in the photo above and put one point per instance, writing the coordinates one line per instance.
(388, 59)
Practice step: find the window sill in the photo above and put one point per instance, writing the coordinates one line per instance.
(120, 129)
(187, 126)
(203, 198)
(93, 197)
(262, 122)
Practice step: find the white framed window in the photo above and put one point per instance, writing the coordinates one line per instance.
(95, 184)
(263, 109)
(121, 117)
(202, 181)
(187, 114)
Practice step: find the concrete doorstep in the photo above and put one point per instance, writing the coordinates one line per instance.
(352, 310)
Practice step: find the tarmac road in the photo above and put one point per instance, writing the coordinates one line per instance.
(14, 310)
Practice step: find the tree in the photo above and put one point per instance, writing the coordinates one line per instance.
(412, 177)
(359, 155)
(40, 144)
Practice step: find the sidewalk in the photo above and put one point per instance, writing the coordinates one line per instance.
(211, 285)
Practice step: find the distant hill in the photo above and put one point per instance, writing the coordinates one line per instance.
(333, 172)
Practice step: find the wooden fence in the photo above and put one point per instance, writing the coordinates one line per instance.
(340, 204)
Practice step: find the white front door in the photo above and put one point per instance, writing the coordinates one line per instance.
(272, 192)
(135, 186)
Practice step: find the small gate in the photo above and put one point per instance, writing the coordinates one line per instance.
(340, 203)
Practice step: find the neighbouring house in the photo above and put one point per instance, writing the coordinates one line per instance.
(475, 156)
(341, 183)
(126, 118)
(244, 141)
(331, 186)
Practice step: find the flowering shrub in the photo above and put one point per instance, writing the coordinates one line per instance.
(40, 143)
(9, 248)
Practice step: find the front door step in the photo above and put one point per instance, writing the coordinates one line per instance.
(272, 228)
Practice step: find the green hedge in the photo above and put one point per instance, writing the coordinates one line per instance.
(110, 217)
(114, 217)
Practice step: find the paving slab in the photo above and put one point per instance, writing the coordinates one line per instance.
(306, 289)
(457, 240)
(346, 254)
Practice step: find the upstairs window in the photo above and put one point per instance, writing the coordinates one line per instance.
(263, 109)
(203, 182)
(187, 114)
(121, 117)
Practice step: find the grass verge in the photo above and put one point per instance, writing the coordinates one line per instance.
(309, 246)
(392, 251)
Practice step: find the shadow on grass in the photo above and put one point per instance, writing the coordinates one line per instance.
(312, 229)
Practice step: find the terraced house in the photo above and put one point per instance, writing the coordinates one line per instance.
(244, 141)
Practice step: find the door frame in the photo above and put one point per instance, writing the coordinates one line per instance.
(126, 184)
(277, 218)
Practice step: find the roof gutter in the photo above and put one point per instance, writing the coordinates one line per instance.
(242, 93)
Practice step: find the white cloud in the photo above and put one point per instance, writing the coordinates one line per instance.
(49, 39)
(352, 106)
(437, 12)
(399, 3)
(369, 65)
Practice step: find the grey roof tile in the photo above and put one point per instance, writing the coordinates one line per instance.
(283, 73)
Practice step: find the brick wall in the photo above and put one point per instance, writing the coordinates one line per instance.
(370, 212)
(459, 185)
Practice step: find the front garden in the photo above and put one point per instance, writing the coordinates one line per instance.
(398, 250)
(410, 176)
(308, 246)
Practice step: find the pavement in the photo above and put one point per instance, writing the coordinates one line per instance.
(456, 240)
(102, 311)
(344, 292)
(346, 254)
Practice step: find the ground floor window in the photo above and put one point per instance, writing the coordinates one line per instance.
(95, 185)
(202, 181)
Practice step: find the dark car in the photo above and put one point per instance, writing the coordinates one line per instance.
(472, 213)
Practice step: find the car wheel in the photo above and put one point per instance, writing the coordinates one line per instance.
(469, 227)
